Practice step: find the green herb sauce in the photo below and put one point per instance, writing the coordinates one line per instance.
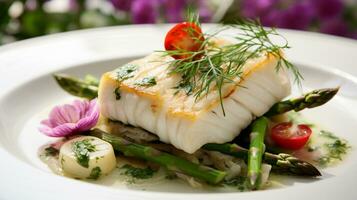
(81, 150)
(117, 93)
(331, 148)
(51, 151)
(335, 148)
(95, 173)
(139, 173)
(126, 71)
(238, 182)
(147, 81)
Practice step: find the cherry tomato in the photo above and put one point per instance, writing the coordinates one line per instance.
(185, 36)
(290, 136)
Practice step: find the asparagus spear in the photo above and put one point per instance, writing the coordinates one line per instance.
(282, 163)
(80, 88)
(169, 161)
(312, 99)
(256, 151)
(92, 80)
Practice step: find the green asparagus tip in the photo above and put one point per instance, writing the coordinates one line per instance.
(311, 99)
(77, 87)
(321, 96)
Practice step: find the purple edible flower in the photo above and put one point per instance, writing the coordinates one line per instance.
(69, 119)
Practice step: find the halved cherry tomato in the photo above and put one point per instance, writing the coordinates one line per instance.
(185, 36)
(290, 136)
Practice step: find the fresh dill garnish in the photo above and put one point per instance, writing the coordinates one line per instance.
(213, 66)
(81, 151)
(187, 88)
(192, 16)
(147, 81)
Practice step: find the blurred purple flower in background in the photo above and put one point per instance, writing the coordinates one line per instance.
(144, 11)
(298, 16)
(174, 10)
(325, 15)
(334, 26)
(257, 8)
(124, 5)
(30, 18)
(277, 13)
(152, 11)
(328, 8)
(204, 10)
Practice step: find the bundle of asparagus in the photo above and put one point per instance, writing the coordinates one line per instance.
(282, 163)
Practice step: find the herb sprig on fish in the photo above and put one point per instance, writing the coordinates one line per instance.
(204, 66)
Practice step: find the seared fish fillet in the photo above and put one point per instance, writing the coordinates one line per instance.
(146, 97)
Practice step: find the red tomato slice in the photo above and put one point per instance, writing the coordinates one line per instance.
(290, 136)
(185, 36)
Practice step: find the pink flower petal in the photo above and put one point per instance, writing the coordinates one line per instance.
(81, 107)
(46, 122)
(86, 123)
(68, 129)
(55, 118)
(70, 119)
(92, 108)
(63, 114)
(70, 113)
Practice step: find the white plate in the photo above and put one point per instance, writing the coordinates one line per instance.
(27, 89)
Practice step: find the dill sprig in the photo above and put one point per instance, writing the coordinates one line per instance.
(213, 66)
(192, 16)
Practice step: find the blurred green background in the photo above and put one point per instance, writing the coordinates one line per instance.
(30, 18)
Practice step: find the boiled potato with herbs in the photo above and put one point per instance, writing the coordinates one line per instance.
(87, 157)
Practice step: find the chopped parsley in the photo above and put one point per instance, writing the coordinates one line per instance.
(117, 93)
(147, 81)
(139, 173)
(126, 72)
(81, 150)
(51, 151)
(95, 173)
